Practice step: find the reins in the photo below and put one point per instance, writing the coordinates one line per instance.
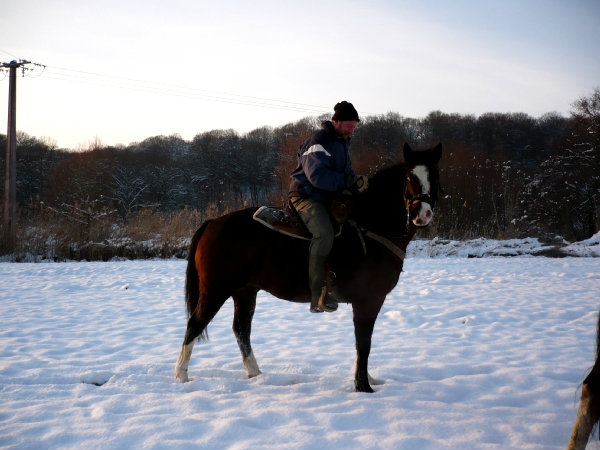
(388, 244)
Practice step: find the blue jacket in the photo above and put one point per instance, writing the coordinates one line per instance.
(323, 165)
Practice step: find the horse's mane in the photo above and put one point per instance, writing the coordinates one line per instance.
(393, 173)
(384, 195)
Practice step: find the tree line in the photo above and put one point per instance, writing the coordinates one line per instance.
(503, 175)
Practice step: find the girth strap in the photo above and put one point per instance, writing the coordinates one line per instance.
(401, 254)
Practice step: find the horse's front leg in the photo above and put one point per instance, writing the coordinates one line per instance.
(363, 330)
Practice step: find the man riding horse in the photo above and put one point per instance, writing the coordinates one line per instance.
(324, 168)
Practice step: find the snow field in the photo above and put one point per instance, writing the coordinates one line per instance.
(483, 353)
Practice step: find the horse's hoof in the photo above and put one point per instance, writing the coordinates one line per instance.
(251, 366)
(181, 376)
(363, 387)
(367, 389)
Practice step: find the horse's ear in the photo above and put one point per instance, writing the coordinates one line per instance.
(407, 152)
(437, 152)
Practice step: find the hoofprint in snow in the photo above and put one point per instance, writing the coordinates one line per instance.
(474, 353)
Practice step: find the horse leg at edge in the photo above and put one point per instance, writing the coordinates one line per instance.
(588, 412)
(196, 327)
(244, 306)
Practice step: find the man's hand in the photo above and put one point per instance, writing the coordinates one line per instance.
(358, 183)
(361, 183)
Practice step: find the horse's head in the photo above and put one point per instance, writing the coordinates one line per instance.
(422, 184)
(401, 196)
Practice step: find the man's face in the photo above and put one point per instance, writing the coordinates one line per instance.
(344, 128)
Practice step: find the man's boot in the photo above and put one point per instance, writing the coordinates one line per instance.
(319, 299)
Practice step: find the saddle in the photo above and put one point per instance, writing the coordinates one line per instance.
(287, 221)
(283, 221)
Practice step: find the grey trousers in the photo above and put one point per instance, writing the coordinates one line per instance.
(316, 217)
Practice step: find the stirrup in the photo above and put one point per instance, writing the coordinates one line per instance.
(326, 303)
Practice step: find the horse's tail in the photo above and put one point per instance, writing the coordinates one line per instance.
(192, 289)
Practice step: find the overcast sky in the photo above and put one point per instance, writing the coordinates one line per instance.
(120, 71)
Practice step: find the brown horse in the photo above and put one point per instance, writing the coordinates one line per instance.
(588, 413)
(235, 256)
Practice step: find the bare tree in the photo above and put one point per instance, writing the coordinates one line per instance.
(128, 190)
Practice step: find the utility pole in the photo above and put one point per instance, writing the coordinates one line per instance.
(10, 183)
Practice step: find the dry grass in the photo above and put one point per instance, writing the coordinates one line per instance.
(82, 232)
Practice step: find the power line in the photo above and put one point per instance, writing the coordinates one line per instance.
(133, 84)
(139, 85)
(9, 54)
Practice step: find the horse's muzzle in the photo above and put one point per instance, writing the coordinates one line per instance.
(422, 214)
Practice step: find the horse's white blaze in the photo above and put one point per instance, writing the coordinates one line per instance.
(422, 174)
(251, 366)
(181, 366)
(425, 213)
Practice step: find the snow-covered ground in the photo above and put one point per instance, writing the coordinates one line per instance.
(479, 248)
(475, 353)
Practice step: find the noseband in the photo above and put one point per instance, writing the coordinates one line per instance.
(425, 198)
(412, 199)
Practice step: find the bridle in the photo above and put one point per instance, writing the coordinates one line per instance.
(410, 200)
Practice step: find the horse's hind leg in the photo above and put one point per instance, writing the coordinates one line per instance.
(196, 327)
(244, 306)
(181, 366)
